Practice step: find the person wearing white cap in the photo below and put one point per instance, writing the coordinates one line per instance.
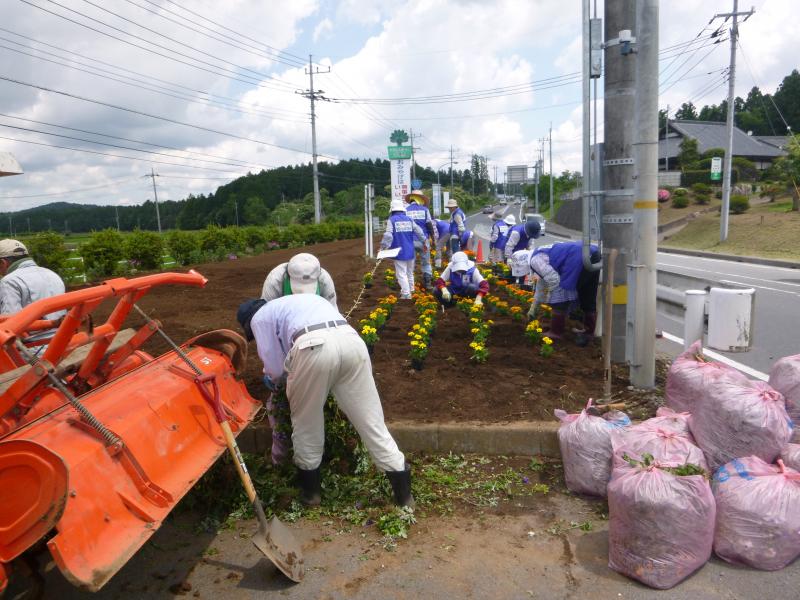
(301, 275)
(419, 213)
(401, 232)
(25, 282)
(458, 224)
(460, 278)
(497, 241)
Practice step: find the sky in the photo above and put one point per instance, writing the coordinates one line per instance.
(94, 94)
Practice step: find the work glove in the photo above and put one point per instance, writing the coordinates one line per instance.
(533, 313)
(270, 385)
(446, 295)
(478, 300)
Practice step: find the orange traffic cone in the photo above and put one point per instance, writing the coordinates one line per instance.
(479, 255)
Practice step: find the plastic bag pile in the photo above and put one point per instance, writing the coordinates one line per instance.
(714, 470)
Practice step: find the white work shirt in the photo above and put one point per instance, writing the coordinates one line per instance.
(273, 284)
(278, 320)
(25, 283)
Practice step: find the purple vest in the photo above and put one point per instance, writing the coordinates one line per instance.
(566, 259)
(420, 215)
(402, 235)
(502, 234)
(460, 281)
(522, 244)
(453, 224)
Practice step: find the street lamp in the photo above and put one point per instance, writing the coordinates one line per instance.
(438, 173)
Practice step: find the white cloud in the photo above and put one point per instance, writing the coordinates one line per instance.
(323, 28)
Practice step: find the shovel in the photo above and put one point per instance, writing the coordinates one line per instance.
(273, 538)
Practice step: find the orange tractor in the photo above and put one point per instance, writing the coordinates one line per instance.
(100, 440)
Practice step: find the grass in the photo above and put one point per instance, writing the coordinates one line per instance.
(768, 230)
(668, 214)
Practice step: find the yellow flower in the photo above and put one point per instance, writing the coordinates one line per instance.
(473, 344)
(475, 320)
(410, 334)
(490, 322)
(415, 327)
(547, 341)
(417, 336)
(539, 330)
(422, 331)
(474, 330)
(422, 345)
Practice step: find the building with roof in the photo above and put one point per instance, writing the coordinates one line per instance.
(762, 150)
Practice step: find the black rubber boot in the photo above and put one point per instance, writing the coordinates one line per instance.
(401, 486)
(427, 281)
(558, 322)
(583, 338)
(310, 483)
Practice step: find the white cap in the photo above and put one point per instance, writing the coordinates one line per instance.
(451, 203)
(396, 205)
(510, 220)
(459, 262)
(304, 272)
(521, 263)
(12, 249)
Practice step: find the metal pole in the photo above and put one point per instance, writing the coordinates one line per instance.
(317, 207)
(550, 138)
(155, 198)
(726, 176)
(666, 144)
(536, 175)
(645, 206)
(116, 214)
(618, 169)
(587, 155)
(451, 169)
(366, 220)
(236, 210)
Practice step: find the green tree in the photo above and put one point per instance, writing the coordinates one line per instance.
(687, 112)
(688, 154)
(254, 212)
(144, 249)
(48, 250)
(103, 252)
(788, 168)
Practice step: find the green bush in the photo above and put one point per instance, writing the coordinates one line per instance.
(255, 237)
(692, 176)
(701, 188)
(702, 198)
(48, 250)
(184, 246)
(680, 192)
(771, 191)
(739, 204)
(219, 241)
(680, 201)
(144, 249)
(718, 194)
(103, 252)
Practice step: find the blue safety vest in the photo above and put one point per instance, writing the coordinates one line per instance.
(567, 260)
(453, 224)
(443, 227)
(420, 215)
(502, 234)
(460, 281)
(402, 235)
(522, 244)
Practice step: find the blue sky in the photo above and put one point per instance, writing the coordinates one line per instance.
(378, 50)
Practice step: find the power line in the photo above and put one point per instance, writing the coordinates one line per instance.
(64, 193)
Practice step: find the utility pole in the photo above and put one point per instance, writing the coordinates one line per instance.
(550, 139)
(153, 176)
(29, 224)
(618, 167)
(451, 168)
(726, 175)
(236, 210)
(645, 205)
(116, 214)
(314, 96)
(49, 225)
(11, 230)
(495, 182)
(666, 144)
(412, 135)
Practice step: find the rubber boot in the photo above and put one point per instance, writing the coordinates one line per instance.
(583, 338)
(310, 482)
(401, 486)
(558, 321)
(427, 281)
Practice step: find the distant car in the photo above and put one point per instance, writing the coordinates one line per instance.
(488, 209)
(537, 217)
(517, 201)
(503, 201)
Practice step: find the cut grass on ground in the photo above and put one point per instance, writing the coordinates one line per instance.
(768, 230)
(668, 214)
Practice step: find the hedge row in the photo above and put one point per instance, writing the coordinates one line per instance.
(110, 253)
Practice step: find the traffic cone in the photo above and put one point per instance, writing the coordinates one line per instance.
(479, 255)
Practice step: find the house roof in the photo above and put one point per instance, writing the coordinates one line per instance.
(779, 141)
(712, 134)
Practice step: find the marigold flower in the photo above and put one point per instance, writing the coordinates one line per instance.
(547, 341)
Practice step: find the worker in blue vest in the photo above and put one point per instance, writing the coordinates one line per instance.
(563, 279)
(466, 241)
(400, 233)
(417, 210)
(460, 278)
(443, 230)
(458, 224)
(521, 237)
(499, 235)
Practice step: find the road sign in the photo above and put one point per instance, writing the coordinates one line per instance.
(401, 179)
(416, 184)
(716, 168)
(436, 192)
(399, 152)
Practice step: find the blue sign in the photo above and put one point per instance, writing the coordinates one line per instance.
(416, 184)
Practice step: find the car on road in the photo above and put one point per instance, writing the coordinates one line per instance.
(503, 201)
(488, 209)
(536, 217)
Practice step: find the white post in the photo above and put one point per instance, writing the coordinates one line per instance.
(694, 316)
(366, 220)
(726, 176)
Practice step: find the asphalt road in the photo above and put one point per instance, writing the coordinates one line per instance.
(776, 331)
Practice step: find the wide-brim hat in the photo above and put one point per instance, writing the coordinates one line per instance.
(451, 203)
(459, 262)
(417, 196)
(510, 220)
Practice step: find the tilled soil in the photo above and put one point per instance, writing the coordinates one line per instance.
(515, 384)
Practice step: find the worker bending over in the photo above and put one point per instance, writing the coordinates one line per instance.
(521, 237)
(301, 275)
(460, 278)
(499, 236)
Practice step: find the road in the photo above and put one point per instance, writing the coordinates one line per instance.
(776, 324)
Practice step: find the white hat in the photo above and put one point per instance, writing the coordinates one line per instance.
(521, 263)
(396, 205)
(460, 262)
(304, 272)
(12, 249)
(451, 203)
(510, 220)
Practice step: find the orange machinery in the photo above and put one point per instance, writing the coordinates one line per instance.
(99, 440)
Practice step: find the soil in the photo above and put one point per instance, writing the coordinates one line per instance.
(515, 384)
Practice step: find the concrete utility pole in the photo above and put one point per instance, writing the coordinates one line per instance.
(618, 168)
(412, 135)
(666, 146)
(116, 214)
(726, 175)
(645, 205)
(550, 139)
(153, 176)
(313, 96)
(495, 182)
(451, 168)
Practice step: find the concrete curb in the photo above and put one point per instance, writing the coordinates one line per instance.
(755, 260)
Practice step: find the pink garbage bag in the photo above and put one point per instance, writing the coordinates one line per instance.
(740, 420)
(785, 377)
(663, 444)
(666, 418)
(585, 442)
(758, 513)
(691, 375)
(790, 455)
(661, 525)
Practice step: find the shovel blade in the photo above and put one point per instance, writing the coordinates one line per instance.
(277, 543)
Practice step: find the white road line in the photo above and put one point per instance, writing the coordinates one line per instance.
(730, 274)
(726, 261)
(761, 287)
(723, 359)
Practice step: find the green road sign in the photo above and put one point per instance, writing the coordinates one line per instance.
(716, 168)
(397, 152)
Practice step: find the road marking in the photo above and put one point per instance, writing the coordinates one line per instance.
(761, 287)
(733, 275)
(728, 262)
(720, 358)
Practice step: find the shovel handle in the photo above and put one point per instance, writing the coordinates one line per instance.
(238, 462)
